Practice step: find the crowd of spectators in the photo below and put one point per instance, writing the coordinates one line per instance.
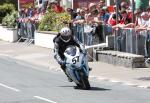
(29, 18)
(97, 14)
(86, 21)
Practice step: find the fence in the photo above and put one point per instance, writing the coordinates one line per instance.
(86, 34)
(132, 41)
(26, 31)
(125, 40)
(91, 34)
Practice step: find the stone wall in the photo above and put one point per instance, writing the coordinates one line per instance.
(121, 58)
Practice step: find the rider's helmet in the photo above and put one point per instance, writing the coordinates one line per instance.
(65, 34)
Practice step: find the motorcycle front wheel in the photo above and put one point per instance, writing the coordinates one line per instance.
(84, 82)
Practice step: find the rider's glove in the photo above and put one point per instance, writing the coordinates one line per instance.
(84, 51)
(62, 62)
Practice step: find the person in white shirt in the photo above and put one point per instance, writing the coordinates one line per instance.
(143, 22)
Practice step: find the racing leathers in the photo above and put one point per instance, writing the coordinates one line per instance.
(60, 47)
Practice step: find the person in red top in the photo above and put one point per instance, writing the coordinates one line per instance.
(123, 21)
(57, 8)
(125, 17)
(112, 20)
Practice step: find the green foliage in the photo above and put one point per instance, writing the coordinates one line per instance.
(48, 21)
(53, 21)
(14, 2)
(5, 9)
(61, 18)
(10, 19)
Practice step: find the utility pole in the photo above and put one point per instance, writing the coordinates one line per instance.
(72, 4)
(133, 7)
(18, 5)
(117, 11)
(18, 8)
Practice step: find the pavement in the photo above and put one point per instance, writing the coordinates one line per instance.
(39, 56)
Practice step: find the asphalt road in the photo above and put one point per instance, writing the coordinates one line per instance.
(25, 83)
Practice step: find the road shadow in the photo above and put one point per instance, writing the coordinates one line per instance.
(66, 86)
(144, 78)
(92, 88)
(99, 89)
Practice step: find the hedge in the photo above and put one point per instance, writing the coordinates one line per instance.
(5, 9)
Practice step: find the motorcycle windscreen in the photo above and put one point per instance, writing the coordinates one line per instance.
(71, 50)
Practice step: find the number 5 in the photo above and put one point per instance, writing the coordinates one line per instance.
(75, 59)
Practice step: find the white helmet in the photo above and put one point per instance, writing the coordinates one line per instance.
(65, 34)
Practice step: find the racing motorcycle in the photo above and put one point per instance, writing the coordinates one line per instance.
(77, 67)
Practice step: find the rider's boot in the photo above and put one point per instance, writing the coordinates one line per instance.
(69, 79)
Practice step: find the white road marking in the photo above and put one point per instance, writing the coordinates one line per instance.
(115, 81)
(44, 99)
(130, 84)
(142, 86)
(14, 89)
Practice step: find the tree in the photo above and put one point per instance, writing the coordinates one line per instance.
(6, 7)
(15, 2)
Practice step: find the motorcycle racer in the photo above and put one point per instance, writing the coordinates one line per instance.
(61, 42)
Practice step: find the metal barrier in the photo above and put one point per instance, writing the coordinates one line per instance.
(26, 32)
(131, 41)
(126, 40)
(91, 34)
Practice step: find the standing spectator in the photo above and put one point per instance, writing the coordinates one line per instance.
(44, 5)
(105, 14)
(137, 16)
(78, 21)
(88, 27)
(72, 13)
(92, 21)
(86, 11)
(26, 12)
(125, 19)
(124, 5)
(31, 12)
(102, 3)
(112, 19)
(56, 7)
(144, 22)
(148, 10)
(29, 28)
(92, 7)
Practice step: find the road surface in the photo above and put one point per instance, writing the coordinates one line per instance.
(25, 83)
